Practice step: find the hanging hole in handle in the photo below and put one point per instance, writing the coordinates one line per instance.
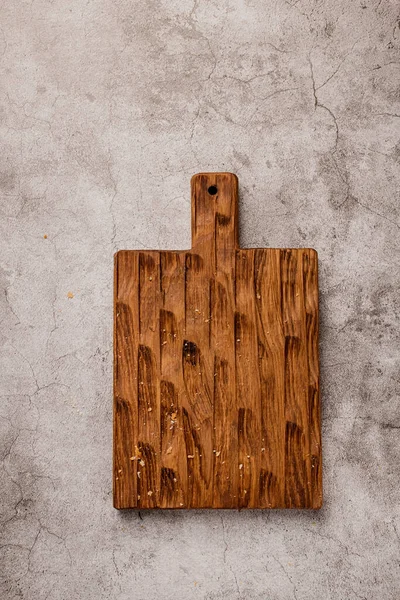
(212, 190)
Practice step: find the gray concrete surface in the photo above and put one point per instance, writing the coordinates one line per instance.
(107, 109)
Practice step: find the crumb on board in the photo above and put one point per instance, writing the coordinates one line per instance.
(241, 466)
(150, 493)
(190, 455)
(45, 236)
(169, 450)
(142, 463)
(70, 295)
(138, 453)
(149, 409)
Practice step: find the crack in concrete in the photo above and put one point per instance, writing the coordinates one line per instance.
(225, 560)
(287, 577)
(318, 104)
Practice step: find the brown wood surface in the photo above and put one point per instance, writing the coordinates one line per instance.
(216, 372)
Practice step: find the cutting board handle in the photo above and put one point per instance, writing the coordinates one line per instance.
(214, 211)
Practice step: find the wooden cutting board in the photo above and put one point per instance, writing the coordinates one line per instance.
(216, 395)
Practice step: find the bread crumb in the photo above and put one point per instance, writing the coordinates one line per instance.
(169, 450)
(119, 470)
(142, 463)
(217, 453)
(70, 295)
(190, 455)
(45, 236)
(149, 409)
(149, 493)
(241, 466)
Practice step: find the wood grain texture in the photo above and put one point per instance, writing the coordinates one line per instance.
(216, 371)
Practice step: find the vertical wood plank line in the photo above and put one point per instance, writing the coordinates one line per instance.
(185, 286)
(138, 293)
(116, 499)
(159, 474)
(236, 408)
(125, 400)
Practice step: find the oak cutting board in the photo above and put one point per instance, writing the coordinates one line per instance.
(216, 395)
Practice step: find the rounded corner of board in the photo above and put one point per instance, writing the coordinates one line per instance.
(318, 501)
(313, 252)
(118, 254)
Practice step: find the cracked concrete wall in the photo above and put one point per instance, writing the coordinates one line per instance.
(107, 109)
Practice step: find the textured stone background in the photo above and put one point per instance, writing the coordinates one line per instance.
(107, 108)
